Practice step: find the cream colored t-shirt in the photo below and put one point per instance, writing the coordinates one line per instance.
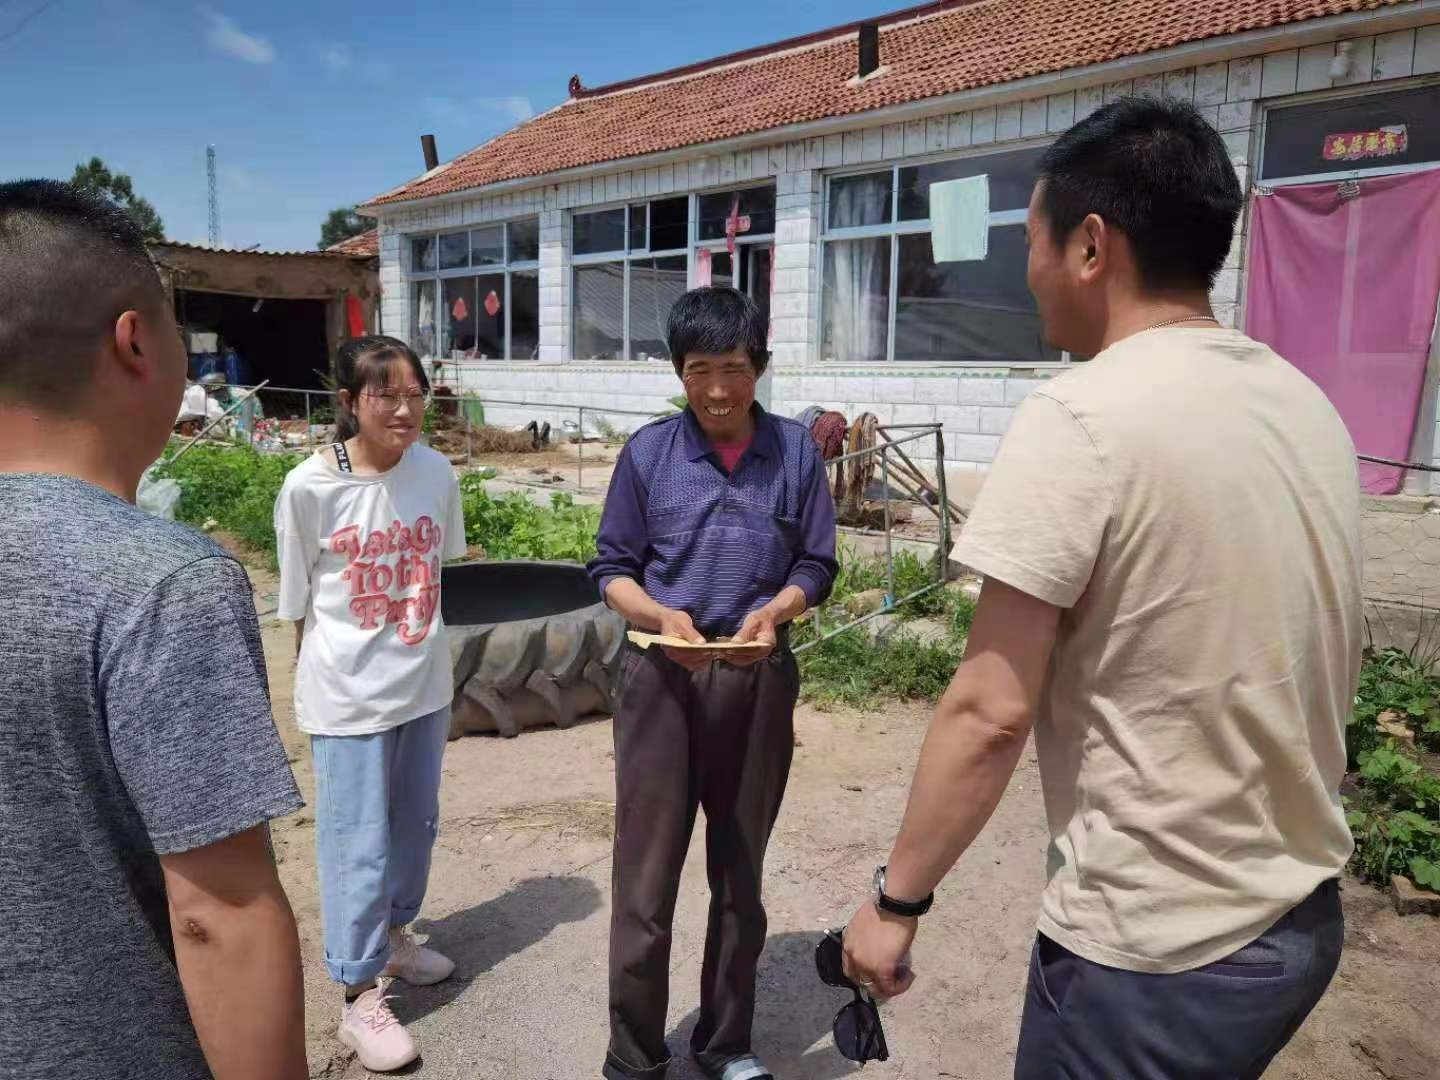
(1192, 501)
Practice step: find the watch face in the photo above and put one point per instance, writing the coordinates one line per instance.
(879, 881)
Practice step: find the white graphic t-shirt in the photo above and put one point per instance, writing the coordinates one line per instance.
(360, 561)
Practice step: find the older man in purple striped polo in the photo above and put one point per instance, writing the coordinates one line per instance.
(718, 524)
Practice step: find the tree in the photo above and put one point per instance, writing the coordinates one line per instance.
(342, 224)
(119, 189)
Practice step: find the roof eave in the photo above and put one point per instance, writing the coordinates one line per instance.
(1190, 54)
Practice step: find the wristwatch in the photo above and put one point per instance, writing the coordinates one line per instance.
(909, 909)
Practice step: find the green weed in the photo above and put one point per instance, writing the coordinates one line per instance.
(1395, 816)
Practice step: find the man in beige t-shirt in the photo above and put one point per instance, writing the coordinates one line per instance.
(1170, 542)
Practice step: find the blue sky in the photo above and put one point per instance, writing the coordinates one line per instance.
(315, 104)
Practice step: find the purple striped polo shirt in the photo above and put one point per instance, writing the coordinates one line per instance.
(713, 544)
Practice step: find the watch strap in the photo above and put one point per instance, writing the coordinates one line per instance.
(909, 909)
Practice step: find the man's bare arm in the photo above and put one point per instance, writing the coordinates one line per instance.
(238, 954)
(975, 738)
(970, 753)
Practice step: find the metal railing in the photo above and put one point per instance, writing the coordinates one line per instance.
(885, 448)
(276, 401)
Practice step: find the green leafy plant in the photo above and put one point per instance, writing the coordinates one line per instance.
(236, 488)
(857, 669)
(853, 669)
(1390, 842)
(512, 526)
(1402, 685)
(1395, 814)
(612, 435)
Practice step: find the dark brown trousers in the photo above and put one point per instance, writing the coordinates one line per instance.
(721, 739)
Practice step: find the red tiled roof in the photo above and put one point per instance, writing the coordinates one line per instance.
(366, 244)
(940, 48)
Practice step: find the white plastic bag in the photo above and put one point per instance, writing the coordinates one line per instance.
(157, 496)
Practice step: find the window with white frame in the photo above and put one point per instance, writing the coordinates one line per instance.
(475, 293)
(883, 296)
(631, 263)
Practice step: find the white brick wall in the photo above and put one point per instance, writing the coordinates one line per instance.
(975, 407)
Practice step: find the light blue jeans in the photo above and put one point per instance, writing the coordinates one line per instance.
(377, 800)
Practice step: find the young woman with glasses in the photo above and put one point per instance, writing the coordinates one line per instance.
(362, 528)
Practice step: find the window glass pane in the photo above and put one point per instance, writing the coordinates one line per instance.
(487, 246)
(459, 317)
(599, 311)
(977, 311)
(722, 269)
(603, 230)
(525, 315)
(860, 200)
(757, 204)
(1302, 140)
(490, 328)
(655, 285)
(1012, 179)
(669, 224)
(857, 300)
(422, 253)
(635, 241)
(454, 251)
(422, 317)
(525, 240)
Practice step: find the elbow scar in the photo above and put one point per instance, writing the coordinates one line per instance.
(195, 931)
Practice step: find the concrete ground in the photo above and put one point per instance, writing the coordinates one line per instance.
(519, 899)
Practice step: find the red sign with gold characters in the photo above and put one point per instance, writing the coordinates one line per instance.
(1355, 145)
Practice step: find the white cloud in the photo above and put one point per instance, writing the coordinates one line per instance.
(463, 111)
(226, 37)
(337, 57)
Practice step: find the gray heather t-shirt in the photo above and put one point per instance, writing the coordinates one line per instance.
(134, 722)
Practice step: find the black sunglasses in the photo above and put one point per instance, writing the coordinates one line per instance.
(858, 1034)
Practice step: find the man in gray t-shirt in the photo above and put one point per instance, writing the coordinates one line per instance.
(145, 933)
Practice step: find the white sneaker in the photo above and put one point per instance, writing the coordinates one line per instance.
(415, 964)
(379, 1040)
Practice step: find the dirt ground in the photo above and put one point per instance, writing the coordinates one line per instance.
(519, 899)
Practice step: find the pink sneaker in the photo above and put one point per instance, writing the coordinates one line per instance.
(379, 1040)
(415, 964)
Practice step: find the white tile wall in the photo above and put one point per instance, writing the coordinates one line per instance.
(1007, 122)
(1211, 82)
(1277, 78)
(1394, 55)
(959, 129)
(1427, 50)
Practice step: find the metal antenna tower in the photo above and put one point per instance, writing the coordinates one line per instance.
(214, 197)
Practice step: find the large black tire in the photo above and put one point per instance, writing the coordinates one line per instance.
(553, 664)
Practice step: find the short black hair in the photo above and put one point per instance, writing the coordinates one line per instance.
(717, 319)
(71, 262)
(1156, 170)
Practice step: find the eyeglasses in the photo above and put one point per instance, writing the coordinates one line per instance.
(391, 400)
(858, 1034)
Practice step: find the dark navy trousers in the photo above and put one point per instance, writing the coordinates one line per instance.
(1224, 1021)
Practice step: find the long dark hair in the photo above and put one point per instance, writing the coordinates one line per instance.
(364, 363)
